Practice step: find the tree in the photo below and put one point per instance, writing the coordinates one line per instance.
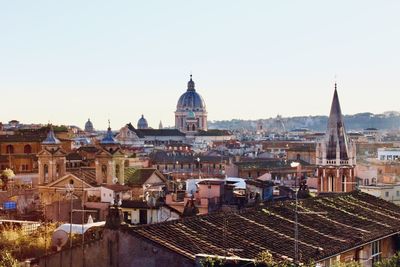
(391, 262)
(7, 260)
(5, 176)
(347, 264)
(265, 259)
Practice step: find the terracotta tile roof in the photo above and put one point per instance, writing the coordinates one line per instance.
(139, 176)
(117, 187)
(74, 156)
(348, 220)
(89, 149)
(85, 173)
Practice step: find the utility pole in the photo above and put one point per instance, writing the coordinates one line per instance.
(70, 192)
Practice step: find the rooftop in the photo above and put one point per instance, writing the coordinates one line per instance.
(268, 164)
(355, 219)
(137, 177)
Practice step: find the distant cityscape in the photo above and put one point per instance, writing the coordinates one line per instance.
(239, 193)
(389, 120)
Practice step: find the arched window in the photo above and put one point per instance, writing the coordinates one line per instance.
(57, 170)
(104, 173)
(193, 128)
(117, 171)
(10, 149)
(27, 149)
(344, 182)
(331, 181)
(46, 173)
(188, 128)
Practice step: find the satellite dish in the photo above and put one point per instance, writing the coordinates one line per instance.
(115, 180)
(59, 239)
(180, 186)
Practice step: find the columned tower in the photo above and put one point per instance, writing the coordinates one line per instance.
(336, 154)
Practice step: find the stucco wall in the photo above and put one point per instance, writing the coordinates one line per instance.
(118, 249)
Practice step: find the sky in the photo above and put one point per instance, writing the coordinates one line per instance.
(67, 61)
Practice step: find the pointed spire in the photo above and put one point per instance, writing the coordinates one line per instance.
(160, 126)
(51, 138)
(335, 107)
(336, 133)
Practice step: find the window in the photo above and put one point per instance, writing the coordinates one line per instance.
(331, 181)
(57, 170)
(117, 171)
(398, 193)
(104, 173)
(386, 194)
(376, 252)
(344, 182)
(10, 149)
(45, 172)
(27, 149)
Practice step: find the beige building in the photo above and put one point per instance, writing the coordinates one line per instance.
(387, 192)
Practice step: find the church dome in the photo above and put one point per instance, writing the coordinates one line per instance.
(191, 100)
(142, 123)
(109, 139)
(89, 126)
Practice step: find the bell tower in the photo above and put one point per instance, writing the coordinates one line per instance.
(51, 159)
(110, 161)
(336, 154)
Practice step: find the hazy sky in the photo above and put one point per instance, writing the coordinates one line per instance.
(66, 61)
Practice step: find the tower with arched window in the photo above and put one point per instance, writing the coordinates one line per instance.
(336, 154)
(110, 161)
(51, 159)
